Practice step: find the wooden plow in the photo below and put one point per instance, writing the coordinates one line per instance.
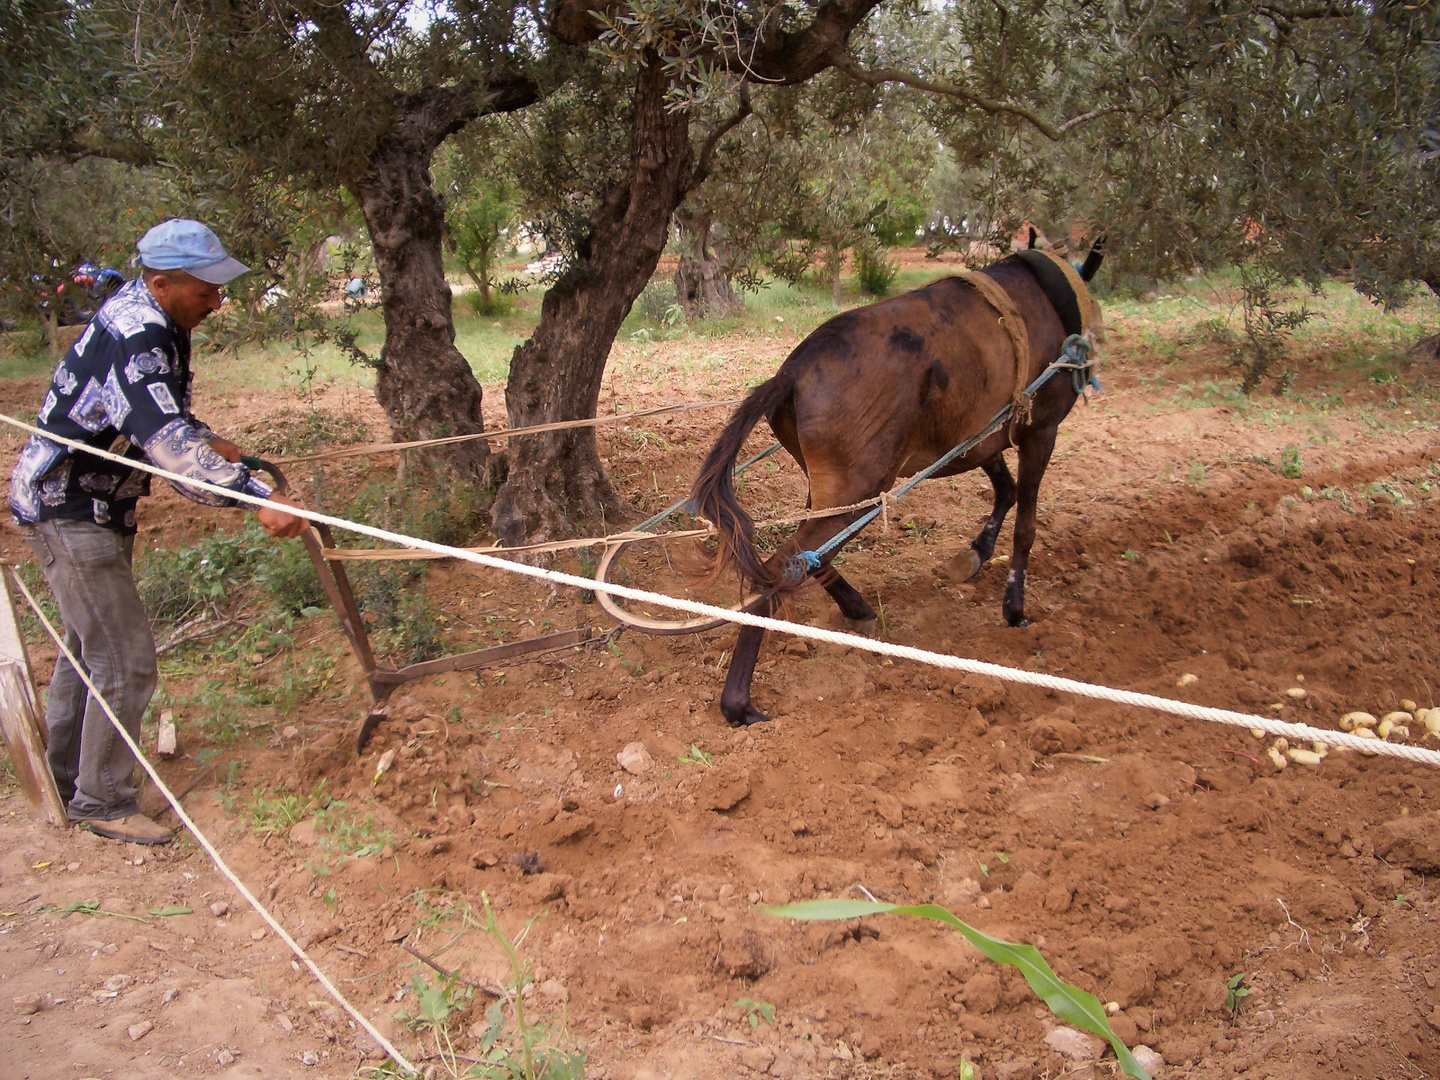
(382, 681)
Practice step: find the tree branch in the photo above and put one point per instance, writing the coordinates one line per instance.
(1300, 14)
(992, 106)
(87, 144)
(718, 132)
(760, 53)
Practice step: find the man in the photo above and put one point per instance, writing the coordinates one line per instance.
(125, 382)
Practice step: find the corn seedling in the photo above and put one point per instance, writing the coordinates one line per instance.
(1069, 1003)
(531, 1053)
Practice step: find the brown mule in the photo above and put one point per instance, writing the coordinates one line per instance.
(884, 391)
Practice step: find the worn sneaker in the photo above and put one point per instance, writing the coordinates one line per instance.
(133, 829)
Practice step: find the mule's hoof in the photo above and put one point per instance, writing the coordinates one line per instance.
(966, 564)
(748, 718)
(864, 627)
(1016, 622)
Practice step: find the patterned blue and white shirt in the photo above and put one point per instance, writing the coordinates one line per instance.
(124, 384)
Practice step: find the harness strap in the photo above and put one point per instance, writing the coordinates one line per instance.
(1014, 324)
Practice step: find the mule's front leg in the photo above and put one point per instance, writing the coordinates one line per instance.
(967, 563)
(735, 703)
(1035, 450)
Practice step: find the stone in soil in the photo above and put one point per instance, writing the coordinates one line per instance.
(635, 758)
(1072, 1044)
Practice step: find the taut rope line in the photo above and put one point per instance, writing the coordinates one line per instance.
(205, 843)
(1132, 698)
(506, 433)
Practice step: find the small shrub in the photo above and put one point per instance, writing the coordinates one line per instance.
(1214, 331)
(178, 583)
(498, 305)
(656, 301)
(1292, 466)
(1268, 326)
(290, 432)
(875, 271)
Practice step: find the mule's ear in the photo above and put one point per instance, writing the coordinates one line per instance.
(1033, 235)
(1093, 260)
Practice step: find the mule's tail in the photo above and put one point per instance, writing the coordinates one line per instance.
(713, 495)
(1093, 260)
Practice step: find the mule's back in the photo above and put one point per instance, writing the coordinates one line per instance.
(903, 380)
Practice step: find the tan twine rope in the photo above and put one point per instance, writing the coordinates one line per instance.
(607, 540)
(204, 842)
(506, 433)
(1037, 679)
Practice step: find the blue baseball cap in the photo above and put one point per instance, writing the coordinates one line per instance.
(182, 244)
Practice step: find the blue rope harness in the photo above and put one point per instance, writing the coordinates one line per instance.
(1074, 357)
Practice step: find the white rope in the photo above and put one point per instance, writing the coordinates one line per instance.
(1302, 732)
(204, 842)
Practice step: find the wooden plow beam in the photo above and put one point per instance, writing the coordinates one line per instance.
(24, 731)
(382, 681)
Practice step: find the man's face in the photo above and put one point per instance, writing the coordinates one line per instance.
(187, 300)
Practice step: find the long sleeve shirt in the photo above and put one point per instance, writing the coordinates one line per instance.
(124, 386)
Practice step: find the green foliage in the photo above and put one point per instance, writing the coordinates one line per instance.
(511, 1045)
(754, 1011)
(1069, 1003)
(276, 810)
(1268, 325)
(1292, 465)
(697, 756)
(480, 217)
(875, 271)
(176, 583)
(1236, 991)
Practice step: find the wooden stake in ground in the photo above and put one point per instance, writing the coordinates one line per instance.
(20, 718)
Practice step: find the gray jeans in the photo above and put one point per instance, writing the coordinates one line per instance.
(106, 628)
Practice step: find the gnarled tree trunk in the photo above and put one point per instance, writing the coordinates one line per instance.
(701, 286)
(556, 478)
(425, 386)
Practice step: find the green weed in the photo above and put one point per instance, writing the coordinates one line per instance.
(1292, 466)
(1235, 992)
(697, 756)
(278, 810)
(752, 1011)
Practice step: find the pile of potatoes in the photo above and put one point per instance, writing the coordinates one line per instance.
(1392, 727)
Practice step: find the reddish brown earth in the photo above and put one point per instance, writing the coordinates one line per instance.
(1149, 858)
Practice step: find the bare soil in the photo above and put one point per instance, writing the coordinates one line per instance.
(1149, 858)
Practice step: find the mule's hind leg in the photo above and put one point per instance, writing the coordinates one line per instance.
(1035, 450)
(735, 701)
(967, 563)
